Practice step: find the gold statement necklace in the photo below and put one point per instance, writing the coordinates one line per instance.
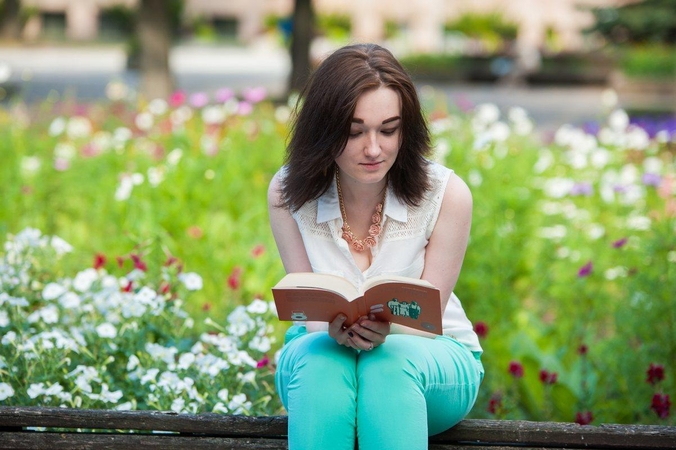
(374, 230)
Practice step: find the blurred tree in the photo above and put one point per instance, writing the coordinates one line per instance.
(301, 38)
(156, 25)
(648, 21)
(10, 21)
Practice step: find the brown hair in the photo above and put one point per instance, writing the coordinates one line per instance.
(322, 124)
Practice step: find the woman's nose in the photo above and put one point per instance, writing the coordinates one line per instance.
(372, 147)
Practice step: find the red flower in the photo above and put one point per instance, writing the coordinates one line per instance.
(206, 307)
(263, 362)
(495, 403)
(138, 262)
(164, 287)
(258, 250)
(655, 373)
(234, 280)
(516, 369)
(99, 260)
(585, 270)
(584, 418)
(548, 377)
(120, 261)
(619, 243)
(582, 349)
(661, 404)
(170, 261)
(128, 287)
(481, 329)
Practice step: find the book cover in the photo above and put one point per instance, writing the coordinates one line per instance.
(321, 297)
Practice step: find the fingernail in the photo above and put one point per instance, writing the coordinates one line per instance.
(351, 334)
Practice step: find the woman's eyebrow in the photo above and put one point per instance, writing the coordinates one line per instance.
(391, 119)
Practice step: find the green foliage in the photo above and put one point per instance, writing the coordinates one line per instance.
(492, 29)
(570, 269)
(648, 61)
(335, 26)
(647, 21)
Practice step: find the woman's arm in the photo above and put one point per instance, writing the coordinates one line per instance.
(288, 238)
(448, 243)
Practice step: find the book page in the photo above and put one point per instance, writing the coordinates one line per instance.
(328, 282)
(381, 279)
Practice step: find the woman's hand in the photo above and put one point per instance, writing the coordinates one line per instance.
(365, 334)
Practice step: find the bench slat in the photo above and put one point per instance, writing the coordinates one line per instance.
(472, 433)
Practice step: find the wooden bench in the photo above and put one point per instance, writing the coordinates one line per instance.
(105, 429)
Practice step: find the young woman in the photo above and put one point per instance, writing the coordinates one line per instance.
(357, 197)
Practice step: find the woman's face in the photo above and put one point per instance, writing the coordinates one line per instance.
(375, 137)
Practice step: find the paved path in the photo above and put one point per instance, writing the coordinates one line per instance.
(85, 72)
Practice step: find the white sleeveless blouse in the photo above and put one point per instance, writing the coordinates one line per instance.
(401, 245)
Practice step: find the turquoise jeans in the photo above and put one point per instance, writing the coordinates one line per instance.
(393, 397)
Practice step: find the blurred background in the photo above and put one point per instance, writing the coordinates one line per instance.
(563, 60)
(140, 136)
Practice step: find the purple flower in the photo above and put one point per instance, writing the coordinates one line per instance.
(244, 108)
(585, 270)
(583, 188)
(651, 179)
(619, 243)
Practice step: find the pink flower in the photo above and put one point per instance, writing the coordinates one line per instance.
(516, 369)
(177, 98)
(223, 95)
(234, 280)
(661, 404)
(585, 270)
(199, 100)
(263, 362)
(584, 418)
(99, 260)
(244, 108)
(655, 373)
(481, 329)
(254, 95)
(258, 250)
(61, 164)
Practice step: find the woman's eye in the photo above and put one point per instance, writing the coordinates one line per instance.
(355, 133)
(389, 132)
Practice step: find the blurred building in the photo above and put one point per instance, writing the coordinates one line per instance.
(422, 20)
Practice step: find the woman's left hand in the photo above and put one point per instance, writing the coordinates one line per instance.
(367, 333)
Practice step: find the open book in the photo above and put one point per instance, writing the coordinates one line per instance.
(314, 296)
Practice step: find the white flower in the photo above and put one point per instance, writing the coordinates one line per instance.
(150, 375)
(123, 191)
(158, 107)
(57, 126)
(258, 306)
(122, 135)
(109, 397)
(615, 272)
(486, 113)
(638, 223)
(596, 231)
(36, 389)
(618, 120)
(213, 114)
(106, 331)
(155, 175)
(157, 351)
(83, 280)
(223, 395)
(6, 391)
(240, 322)
(260, 343)
(78, 127)
(239, 404)
(30, 164)
(52, 291)
(186, 360)
(191, 280)
(133, 363)
(556, 232)
(178, 405)
(220, 408)
(9, 338)
(4, 318)
(60, 246)
(70, 300)
(144, 121)
(127, 406)
(174, 156)
(558, 187)
(248, 377)
(48, 314)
